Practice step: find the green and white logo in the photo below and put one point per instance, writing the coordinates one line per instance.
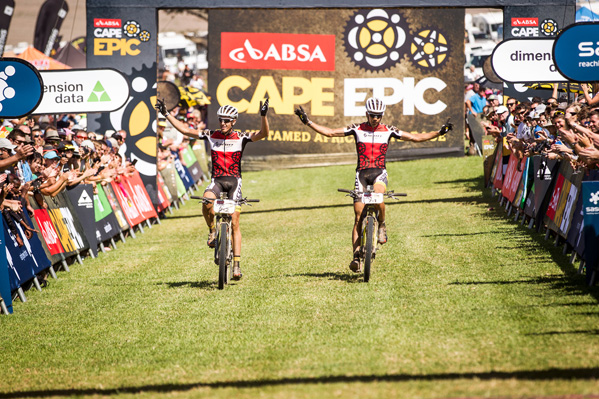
(98, 94)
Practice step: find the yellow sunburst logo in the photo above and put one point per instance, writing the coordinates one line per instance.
(429, 49)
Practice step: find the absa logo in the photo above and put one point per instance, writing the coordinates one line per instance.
(274, 51)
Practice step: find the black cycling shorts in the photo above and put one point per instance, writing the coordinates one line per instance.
(370, 177)
(226, 184)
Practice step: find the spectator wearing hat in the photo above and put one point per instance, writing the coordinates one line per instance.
(66, 151)
(51, 136)
(493, 100)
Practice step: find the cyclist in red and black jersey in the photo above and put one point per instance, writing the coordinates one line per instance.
(372, 141)
(226, 150)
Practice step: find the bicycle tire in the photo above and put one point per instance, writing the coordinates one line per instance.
(222, 256)
(368, 247)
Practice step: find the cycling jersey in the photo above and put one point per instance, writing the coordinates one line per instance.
(372, 144)
(226, 151)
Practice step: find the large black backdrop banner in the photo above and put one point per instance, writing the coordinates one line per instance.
(47, 26)
(7, 9)
(330, 64)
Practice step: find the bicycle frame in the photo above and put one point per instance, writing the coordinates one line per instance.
(223, 250)
(369, 225)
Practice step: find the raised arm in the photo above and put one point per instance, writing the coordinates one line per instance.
(427, 136)
(21, 152)
(325, 131)
(590, 101)
(264, 128)
(180, 126)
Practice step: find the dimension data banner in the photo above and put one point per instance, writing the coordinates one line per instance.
(330, 64)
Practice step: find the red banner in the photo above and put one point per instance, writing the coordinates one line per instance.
(512, 178)
(135, 186)
(498, 181)
(288, 51)
(132, 214)
(48, 231)
(557, 191)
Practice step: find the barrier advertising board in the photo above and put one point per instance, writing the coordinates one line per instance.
(5, 291)
(590, 205)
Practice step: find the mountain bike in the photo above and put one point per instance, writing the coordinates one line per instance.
(223, 249)
(369, 224)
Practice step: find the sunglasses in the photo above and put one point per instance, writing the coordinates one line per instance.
(559, 113)
(20, 141)
(511, 104)
(376, 115)
(37, 136)
(81, 137)
(225, 120)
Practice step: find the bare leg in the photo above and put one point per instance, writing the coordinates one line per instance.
(380, 188)
(208, 211)
(236, 234)
(358, 207)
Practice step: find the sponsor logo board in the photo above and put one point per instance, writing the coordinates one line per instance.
(112, 36)
(576, 52)
(525, 60)
(82, 91)
(20, 87)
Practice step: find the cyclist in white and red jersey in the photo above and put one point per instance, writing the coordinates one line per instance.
(372, 141)
(226, 150)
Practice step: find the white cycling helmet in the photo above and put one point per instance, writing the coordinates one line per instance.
(375, 106)
(227, 111)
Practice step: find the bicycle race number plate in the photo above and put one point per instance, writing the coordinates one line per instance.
(224, 206)
(372, 198)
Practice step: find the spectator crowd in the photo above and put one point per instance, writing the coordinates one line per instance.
(554, 127)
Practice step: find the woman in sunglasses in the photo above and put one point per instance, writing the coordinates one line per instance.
(226, 150)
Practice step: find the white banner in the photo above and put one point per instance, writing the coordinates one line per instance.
(76, 91)
(525, 61)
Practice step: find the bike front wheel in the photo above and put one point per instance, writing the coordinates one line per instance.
(368, 246)
(223, 245)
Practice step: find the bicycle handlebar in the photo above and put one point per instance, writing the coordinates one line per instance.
(388, 194)
(239, 201)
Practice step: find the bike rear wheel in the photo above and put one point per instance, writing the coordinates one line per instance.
(223, 246)
(368, 247)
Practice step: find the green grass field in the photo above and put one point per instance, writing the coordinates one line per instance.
(462, 302)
